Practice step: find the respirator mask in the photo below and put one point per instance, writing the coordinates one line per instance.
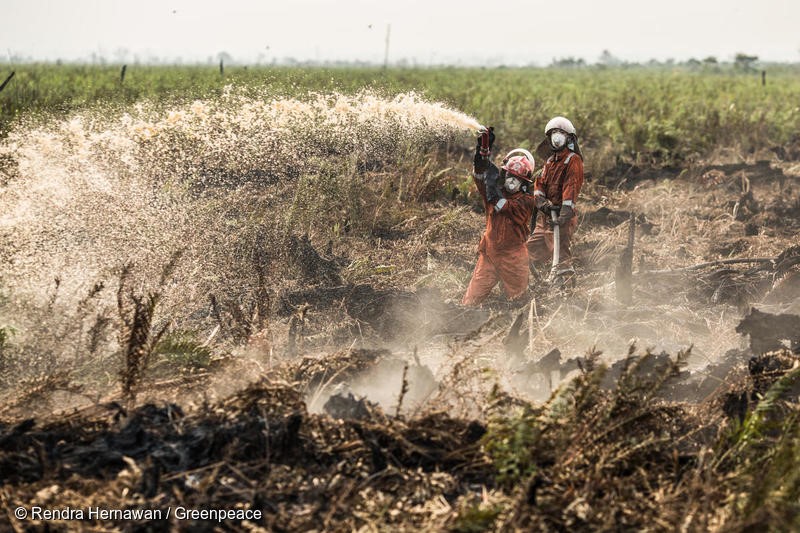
(558, 139)
(512, 184)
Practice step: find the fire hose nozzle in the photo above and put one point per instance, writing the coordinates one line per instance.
(485, 132)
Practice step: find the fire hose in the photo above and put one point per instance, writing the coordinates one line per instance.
(556, 245)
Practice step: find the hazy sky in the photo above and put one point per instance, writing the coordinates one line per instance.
(425, 31)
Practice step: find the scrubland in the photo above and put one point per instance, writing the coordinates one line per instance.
(242, 291)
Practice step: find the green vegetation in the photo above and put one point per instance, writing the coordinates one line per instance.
(639, 115)
(180, 349)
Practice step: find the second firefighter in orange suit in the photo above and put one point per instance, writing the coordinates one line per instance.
(502, 253)
(557, 189)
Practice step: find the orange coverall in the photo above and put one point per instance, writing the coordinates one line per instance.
(560, 182)
(502, 255)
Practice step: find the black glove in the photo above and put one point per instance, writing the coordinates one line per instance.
(482, 152)
(493, 191)
(565, 215)
(544, 205)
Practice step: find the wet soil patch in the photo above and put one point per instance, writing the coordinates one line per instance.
(758, 172)
(609, 218)
(627, 176)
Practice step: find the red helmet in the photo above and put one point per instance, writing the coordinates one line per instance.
(520, 167)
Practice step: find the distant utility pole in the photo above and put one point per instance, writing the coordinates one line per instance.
(386, 51)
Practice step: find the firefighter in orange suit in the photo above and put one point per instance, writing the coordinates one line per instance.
(509, 205)
(557, 189)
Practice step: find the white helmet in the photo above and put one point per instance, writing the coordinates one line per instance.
(560, 123)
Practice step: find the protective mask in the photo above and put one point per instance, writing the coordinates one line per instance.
(558, 140)
(512, 184)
